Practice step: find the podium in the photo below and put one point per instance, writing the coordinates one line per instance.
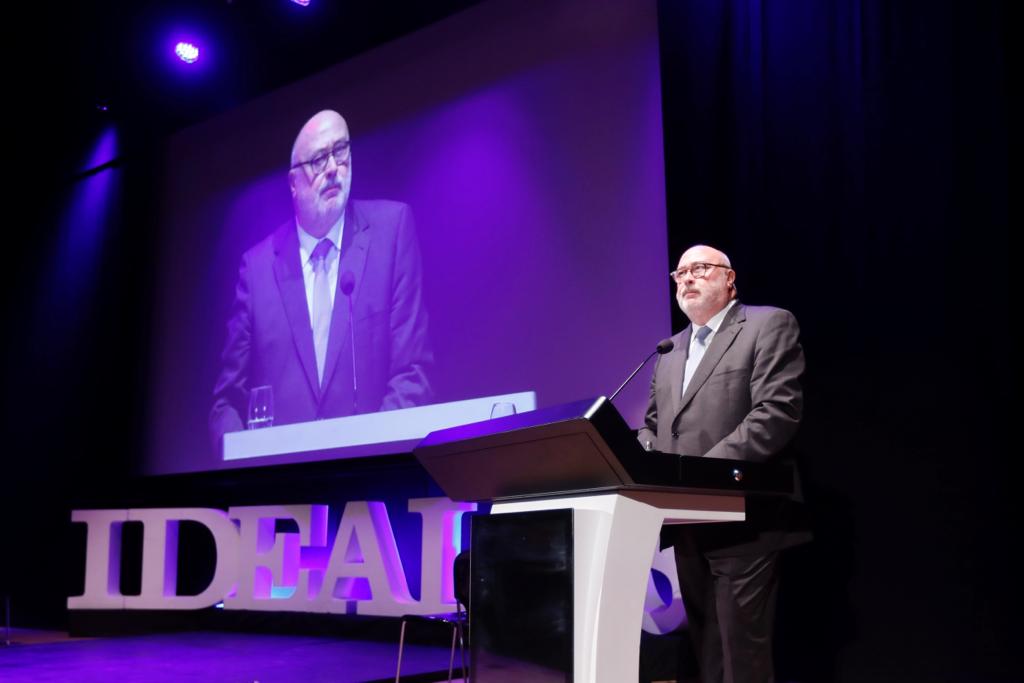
(559, 571)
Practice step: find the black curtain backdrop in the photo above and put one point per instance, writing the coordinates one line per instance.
(75, 355)
(851, 158)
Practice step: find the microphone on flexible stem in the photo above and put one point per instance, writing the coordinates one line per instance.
(663, 347)
(347, 284)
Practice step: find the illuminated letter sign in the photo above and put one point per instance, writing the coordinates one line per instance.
(259, 568)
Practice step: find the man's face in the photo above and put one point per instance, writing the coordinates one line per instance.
(701, 298)
(319, 198)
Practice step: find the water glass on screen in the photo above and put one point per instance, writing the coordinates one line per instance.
(502, 409)
(261, 407)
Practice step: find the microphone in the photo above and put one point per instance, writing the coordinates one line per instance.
(347, 283)
(663, 347)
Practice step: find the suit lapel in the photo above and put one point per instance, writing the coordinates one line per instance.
(354, 244)
(288, 273)
(720, 343)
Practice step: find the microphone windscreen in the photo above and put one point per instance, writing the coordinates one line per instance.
(348, 282)
(665, 345)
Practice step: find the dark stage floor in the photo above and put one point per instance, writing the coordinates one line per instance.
(211, 657)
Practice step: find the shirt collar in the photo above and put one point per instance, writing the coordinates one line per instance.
(718, 318)
(307, 243)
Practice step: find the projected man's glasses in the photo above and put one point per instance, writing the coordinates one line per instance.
(698, 270)
(341, 153)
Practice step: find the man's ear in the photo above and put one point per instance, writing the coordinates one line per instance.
(291, 180)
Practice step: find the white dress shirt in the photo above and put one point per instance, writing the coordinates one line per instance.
(307, 243)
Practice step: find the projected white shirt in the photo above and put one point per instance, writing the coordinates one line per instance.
(307, 243)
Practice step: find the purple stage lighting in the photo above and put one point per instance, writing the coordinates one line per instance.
(304, 3)
(187, 52)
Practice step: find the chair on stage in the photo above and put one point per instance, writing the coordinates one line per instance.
(457, 621)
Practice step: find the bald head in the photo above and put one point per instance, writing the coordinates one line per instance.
(327, 119)
(701, 298)
(704, 254)
(319, 197)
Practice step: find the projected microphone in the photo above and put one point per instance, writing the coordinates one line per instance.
(347, 283)
(663, 347)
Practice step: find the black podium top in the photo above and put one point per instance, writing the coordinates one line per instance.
(572, 449)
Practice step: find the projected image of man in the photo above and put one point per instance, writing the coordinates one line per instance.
(328, 309)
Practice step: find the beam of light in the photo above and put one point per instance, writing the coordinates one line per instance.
(105, 151)
(71, 272)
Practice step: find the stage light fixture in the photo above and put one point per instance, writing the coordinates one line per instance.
(186, 52)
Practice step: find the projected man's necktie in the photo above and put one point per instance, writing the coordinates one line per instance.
(697, 349)
(321, 304)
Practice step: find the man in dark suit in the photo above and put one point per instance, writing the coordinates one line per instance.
(290, 326)
(729, 389)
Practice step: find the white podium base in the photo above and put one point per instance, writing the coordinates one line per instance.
(614, 537)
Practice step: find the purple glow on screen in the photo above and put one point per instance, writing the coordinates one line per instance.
(302, 3)
(529, 146)
(186, 52)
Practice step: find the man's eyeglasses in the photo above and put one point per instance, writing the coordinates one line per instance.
(341, 152)
(698, 270)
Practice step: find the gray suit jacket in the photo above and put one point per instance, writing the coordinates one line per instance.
(743, 403)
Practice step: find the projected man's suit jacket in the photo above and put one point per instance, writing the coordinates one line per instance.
(270, 339)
